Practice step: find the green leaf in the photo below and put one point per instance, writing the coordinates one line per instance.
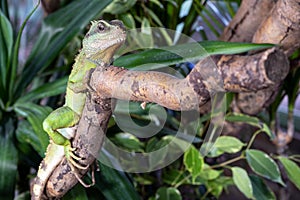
(226, 144)
(209, 174)
(118, 7)
(6, 43)
(242, 181)
(174, 177)
(185, 52)
(169, 193)
(145, 179)
(238, 117)
(193, 161)
(154, 144)
(47, 90)
(128, 141)
(128, 20)
(35, 115)
(260, 190)
(216, 186)
(26, 135)
(160, 5)
(268, 131)
(8, 160)
(146, 34)
(15, 55)
(263, 165)
(115, 185)
(254, 121)
(292, 170)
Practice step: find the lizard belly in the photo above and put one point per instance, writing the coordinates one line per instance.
(75, 101)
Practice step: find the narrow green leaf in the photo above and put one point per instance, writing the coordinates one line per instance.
(169, 193)
(128, 20)
(268, 131)
(35, 115)
(145, 38)
(159, 23)
(260, 190)
(226, 144)
(6, 43)
(47, 90)
(15, 55)
(128, 141)
(145, 179)
(254, 121)
(188, 52)
(25, 134)
(263, 165)
(238, 117)
(174, 177)
(160, 5)
(292, 170)
(8, 160)
(115, 185)
(242, 181)
(193, 161)
(119, 7)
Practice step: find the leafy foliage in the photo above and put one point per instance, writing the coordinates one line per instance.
(30, 91)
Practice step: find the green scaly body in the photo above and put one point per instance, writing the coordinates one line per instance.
(99, 46)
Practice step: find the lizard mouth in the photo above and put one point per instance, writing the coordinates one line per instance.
(119, 33)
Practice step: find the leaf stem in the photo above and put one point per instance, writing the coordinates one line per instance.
(205, 194)
(182, 181)
(252, 138)
(228, 162)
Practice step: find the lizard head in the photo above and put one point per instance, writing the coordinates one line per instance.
(103, 40)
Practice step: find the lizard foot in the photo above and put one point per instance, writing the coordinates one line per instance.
(74, 165)
(93, 178)
(73, 159)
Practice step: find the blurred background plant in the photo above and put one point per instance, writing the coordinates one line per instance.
(36, 58)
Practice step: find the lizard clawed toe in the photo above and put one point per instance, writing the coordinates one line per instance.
(73, 159)
(82, 182)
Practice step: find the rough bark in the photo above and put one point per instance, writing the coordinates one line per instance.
(240, 73)
(280, 26)
(246, 21)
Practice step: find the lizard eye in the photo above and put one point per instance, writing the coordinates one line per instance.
(101, 27)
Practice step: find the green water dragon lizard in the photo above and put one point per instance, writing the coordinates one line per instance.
(98, 48)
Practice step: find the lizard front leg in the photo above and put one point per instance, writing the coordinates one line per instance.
(63, 117)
